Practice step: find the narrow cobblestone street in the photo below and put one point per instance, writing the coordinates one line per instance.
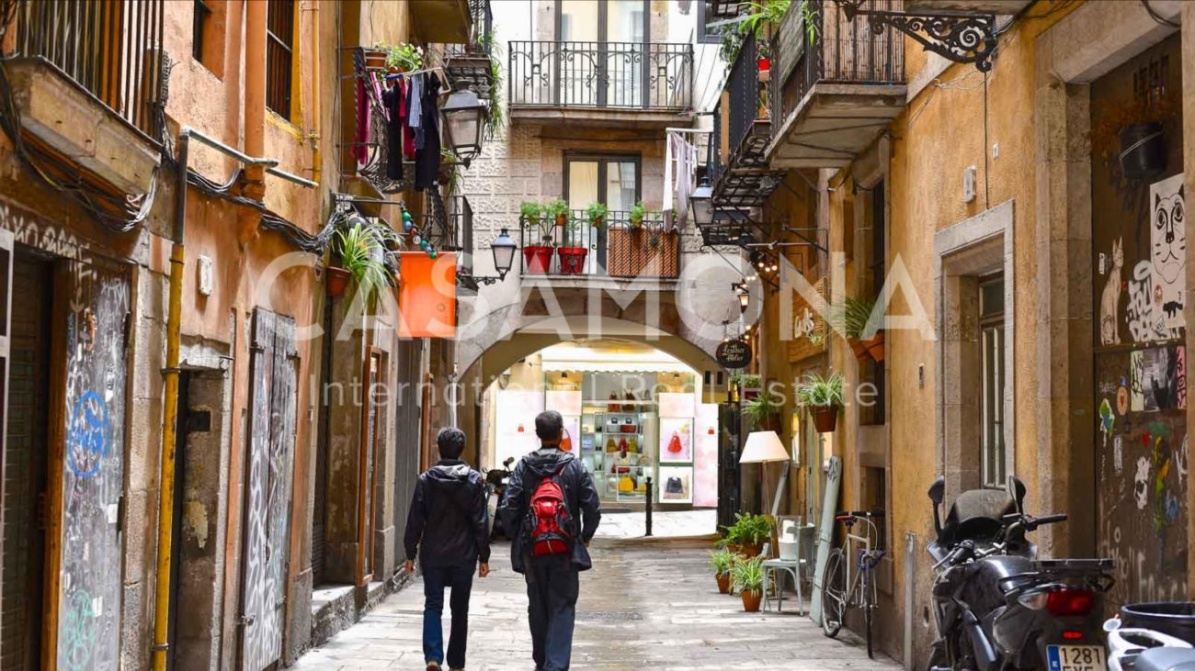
(643, 606)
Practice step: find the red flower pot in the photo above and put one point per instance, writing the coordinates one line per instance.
(875, 346)
(572, 260)
(723, 583)
(752, 600)
(825, 418)
(337, 280)
(858, 348)
(538, 259)
(764, 64)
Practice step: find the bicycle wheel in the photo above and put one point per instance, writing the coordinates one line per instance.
(834, 593)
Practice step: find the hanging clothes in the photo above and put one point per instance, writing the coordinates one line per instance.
(361, 136)
(394, 99)
(686, 176)
(415, 109)
(427, 157)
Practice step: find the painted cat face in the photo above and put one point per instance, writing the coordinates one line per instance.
(1170, 238)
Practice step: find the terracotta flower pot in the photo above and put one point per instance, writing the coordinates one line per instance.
(858, 348)
(875, 346)
(538, 258)
(723, 583)
(375, 59)
(572, 260)
(597, 222)
(337, 280)
(751, 600)
(825, 418)
(750, 549)
(561, 220)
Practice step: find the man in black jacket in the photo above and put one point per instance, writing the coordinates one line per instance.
(449, 527)
(552, 581)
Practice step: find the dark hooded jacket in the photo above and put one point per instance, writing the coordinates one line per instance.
(449, 522)
(580, 495)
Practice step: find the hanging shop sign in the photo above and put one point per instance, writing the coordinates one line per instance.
(734, 353)
(427, 295)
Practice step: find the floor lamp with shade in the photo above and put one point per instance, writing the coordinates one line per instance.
(763, 447)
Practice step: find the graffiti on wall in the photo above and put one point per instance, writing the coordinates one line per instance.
(93, 478)
(271, 455)
(1168, 249)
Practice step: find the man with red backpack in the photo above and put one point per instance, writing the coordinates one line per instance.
(551, 505)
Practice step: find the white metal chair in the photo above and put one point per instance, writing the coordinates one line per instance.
(792, 563)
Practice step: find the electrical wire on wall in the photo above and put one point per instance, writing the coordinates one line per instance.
(117, 212)
(270, 220)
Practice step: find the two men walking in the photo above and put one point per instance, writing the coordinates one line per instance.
(550, 510)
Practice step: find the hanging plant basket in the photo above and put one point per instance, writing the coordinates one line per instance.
(337, 280)
(375, 59)
(825, 418)
(858, 348)
(875, 346)
(1143, 150)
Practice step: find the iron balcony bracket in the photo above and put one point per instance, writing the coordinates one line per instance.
(962, 37)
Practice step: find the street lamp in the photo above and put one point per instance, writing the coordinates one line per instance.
(464, 122)
(743, 294)
(504, 249)
(701, 201)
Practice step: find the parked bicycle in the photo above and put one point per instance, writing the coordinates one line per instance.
(843, 588)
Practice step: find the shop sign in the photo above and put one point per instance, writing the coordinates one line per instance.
(733, 354)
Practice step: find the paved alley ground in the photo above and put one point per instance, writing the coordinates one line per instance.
(643, 606)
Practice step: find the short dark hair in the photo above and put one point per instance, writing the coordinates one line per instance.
(549, 425)
(451, 442)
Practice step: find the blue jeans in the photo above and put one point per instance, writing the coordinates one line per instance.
(460, 580)
(552, 587)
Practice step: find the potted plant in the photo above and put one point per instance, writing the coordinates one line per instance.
(1133, 132)
(748, 534)
(761, 411)
(596, 213)
(636, 215)
(823, 397)
(747, 384)
(572, 258)
(401, 57)
(360, 249)
(558, 211)
(747, 577)
(855, 313)
(538, 258)
(721, 561)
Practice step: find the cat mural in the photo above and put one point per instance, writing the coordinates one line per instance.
(1110, 299)
(1168, 249)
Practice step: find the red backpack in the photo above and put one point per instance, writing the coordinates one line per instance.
(550, 519)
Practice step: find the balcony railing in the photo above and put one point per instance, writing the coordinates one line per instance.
(462, 229)
(844, 52)
(483, 27)
(601, 75)
(113, 50)
(616, 248)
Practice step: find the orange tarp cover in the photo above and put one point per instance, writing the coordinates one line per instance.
(427, 295)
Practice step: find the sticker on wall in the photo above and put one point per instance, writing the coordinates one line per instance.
(1107, 419)
(1110, 300)
(1122, 400)
(1168, 249)
(1118, 454)
(1158, 375)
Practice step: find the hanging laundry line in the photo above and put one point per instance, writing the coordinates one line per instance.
(680, 159)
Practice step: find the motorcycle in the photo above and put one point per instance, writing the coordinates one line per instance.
(495, 482)
(1154, 636)
(997, 606)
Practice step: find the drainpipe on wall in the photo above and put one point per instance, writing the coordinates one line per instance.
(255, 113)
(170, 412)
(316, 105)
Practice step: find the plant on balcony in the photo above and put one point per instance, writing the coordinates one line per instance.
(530, 212)
(360, 248)
(823, 397)
(596, 213)
(557, 210)
(538, 257)
(402, 57)
(636, 215)
(572, 257)
(494, 119)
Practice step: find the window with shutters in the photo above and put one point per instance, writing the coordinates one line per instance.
(280, 40)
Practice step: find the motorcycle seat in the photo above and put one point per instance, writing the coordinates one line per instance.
(977, 515)
(1166, 659)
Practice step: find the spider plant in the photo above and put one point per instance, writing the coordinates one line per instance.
(816, 391)
(361, 251)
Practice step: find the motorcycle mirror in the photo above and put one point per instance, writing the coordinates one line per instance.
(937, 491)
(1016, 491)
(508, 462)
(1111, 624)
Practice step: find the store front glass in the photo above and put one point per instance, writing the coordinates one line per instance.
(630, 412)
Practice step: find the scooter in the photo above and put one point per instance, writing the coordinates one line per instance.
(997, 606)
(1127, 645)
(495, 481)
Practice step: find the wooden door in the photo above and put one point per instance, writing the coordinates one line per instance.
(267, 501)
(89, 369)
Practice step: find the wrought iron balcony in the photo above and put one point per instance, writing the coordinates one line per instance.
(832, 97)
(112, 50)
(469, 62)
(616, 248)
(613, 76)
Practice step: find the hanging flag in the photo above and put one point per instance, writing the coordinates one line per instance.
(427, 295)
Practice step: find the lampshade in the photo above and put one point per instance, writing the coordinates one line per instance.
(763, 446)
